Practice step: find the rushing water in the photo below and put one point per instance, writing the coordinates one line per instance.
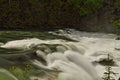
(58, 59)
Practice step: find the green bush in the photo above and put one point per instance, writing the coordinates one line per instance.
(21, 73)
(117, 5)
(117, 24)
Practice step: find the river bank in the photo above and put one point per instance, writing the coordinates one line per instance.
(93, 15)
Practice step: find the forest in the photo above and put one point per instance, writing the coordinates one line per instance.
(86, 15)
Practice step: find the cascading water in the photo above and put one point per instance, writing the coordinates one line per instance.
(68, 60)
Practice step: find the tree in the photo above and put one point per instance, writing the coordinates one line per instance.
(109, 73)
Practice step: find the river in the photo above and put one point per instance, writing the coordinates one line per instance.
(82, 56)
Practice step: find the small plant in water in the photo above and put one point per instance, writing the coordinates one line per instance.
(109, 73)
(21, 74)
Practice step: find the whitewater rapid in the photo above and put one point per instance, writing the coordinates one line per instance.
(74, 60)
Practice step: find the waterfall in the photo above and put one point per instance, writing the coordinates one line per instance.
(72, 60)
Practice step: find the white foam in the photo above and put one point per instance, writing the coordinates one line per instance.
(72, 57)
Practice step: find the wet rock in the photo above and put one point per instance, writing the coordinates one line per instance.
(61, 49)
(117, 38)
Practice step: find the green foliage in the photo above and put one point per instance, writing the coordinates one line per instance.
(117, 24)
(22, 14)
(21, 74)
(86, 7)
(117, 5)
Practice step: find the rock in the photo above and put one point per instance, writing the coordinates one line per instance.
(40, 53)
(61, 49)
(118, 38)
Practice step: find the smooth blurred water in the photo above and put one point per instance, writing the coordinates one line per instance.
(67, 59)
